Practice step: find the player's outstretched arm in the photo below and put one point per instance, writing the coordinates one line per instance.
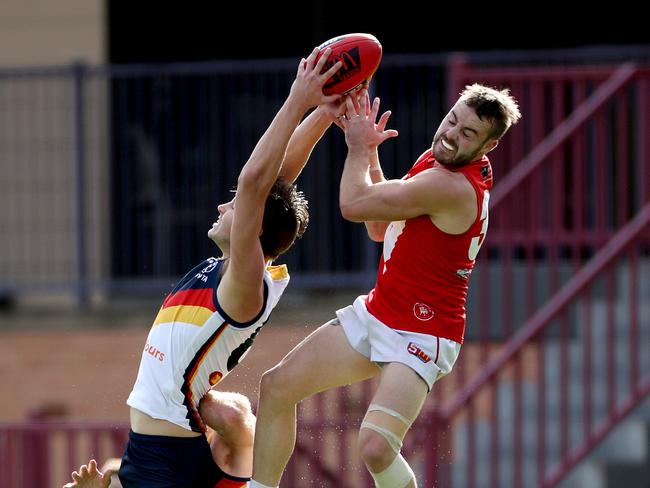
(376, 228)
(431, 192)
(241, 290)
(89, 476)
(306, 136)
(310, 131)
(362, 171)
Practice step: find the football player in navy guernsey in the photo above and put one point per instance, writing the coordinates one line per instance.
(208, 322)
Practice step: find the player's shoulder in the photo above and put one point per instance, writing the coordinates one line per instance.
(441, 185)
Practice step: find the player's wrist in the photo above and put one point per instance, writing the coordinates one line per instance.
(361, 151)
(297, 105)
(324, 114)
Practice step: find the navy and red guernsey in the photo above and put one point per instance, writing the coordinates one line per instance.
(423, 274)
(193, 344)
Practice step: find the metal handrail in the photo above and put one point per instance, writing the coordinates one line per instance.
(562, 132)
(550, 311)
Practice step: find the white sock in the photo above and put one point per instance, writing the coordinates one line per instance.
(257, 484)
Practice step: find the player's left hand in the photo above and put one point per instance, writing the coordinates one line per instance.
(335, 110)
(359, 122)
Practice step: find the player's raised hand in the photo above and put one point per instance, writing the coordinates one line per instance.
(362, 129)
(307, 88)
(336, 110)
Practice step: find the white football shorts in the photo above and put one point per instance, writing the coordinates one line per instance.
(429, 356)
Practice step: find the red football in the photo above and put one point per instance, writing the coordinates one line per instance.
(360, 55)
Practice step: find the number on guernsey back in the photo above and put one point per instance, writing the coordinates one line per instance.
(476, 242)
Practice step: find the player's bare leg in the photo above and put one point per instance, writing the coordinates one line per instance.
(322, 361)
(395, 405)
(231, 424)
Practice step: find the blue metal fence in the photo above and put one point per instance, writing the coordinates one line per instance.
(112, 174)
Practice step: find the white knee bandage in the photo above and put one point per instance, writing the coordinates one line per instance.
(394, 442)
(374, 407)
(397, 475)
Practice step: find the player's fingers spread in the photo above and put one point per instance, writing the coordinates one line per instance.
(351, 109)
(383, 120)
(302, 65)
(314, 53)
(366, 95)
(355, 101)
(84, 470)
(330, 72)
(375, 109)
(75, 476)
(92, 466)
(363, 102)
(390, 133)
(311, 60)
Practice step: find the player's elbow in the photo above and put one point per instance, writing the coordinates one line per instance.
(351, 212)
(376, 230)
(375, 236)
(254, 183)
(249, 178)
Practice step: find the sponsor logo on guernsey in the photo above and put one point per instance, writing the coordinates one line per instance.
(418, 352)
(202, 275)
(485, 172)
(154, 352)
(422, 311)
(463, 273)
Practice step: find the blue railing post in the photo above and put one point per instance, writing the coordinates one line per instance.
(80, 283)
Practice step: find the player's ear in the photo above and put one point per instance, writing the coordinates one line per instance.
(489, 145)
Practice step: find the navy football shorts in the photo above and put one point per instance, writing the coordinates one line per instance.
(154, 461)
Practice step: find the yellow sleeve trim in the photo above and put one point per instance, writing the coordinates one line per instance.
(279, 272)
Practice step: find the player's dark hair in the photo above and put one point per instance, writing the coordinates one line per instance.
(285, 218)
(496, 106)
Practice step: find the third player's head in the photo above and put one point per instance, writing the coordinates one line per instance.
(285, 219)
(474, 125)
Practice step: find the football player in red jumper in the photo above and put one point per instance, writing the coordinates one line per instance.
(410, 327)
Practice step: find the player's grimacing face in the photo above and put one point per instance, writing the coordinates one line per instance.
(462, 136)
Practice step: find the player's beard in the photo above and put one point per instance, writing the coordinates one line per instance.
(458, 160)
